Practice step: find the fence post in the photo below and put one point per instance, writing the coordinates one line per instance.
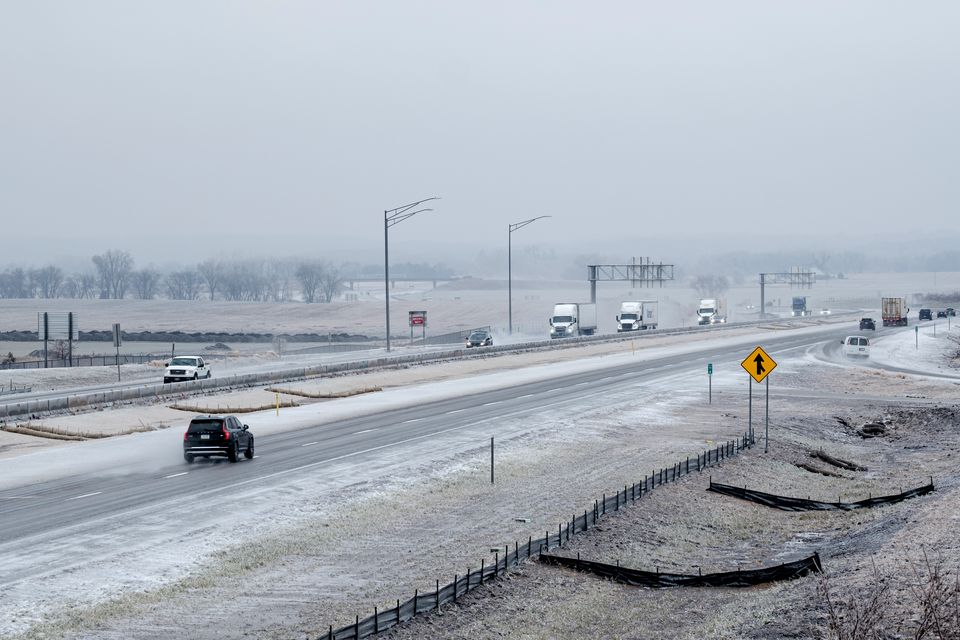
(559, 533)
(530, 545)
(356, 627)
(481, 570)
(398, 610)
(456, 578)
(496, 563)
(330, 633)
(415, 602)
(438, 594)
(376, 621)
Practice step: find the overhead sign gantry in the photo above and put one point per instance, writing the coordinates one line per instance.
(645, 272)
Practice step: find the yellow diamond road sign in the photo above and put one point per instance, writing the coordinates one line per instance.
(758, 364)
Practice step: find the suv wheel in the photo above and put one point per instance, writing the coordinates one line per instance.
(234, 454)
(188, 457)
(248, 454)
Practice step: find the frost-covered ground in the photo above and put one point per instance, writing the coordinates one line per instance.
(325, 551)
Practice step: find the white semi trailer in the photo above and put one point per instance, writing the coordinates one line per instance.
(636, 315)
(573, 319)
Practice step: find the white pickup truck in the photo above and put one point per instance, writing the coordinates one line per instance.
(186, 368)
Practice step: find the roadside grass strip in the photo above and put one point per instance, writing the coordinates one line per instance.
(56, 433)
(325, 396)
(215, 410)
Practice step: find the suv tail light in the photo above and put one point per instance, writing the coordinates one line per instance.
(226, 434)
(185, 435)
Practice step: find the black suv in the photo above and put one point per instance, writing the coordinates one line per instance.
(479, 338)
(867, 323)
(942, 313)
(217, 436)
(926, 314)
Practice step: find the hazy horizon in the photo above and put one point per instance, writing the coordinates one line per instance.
(183, 130)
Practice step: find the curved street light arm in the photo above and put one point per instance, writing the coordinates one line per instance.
(397, 218)
(519, 225)
(389, 214)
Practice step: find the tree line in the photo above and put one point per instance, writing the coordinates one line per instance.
(114, 276)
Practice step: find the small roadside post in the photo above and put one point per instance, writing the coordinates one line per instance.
(759, 365)
(916, 336)
(116, 343)
(491, 459)
(709, 383)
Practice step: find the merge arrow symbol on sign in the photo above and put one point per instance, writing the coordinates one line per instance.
(759, 360)
(759, 364)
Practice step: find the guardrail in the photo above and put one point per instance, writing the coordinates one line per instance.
(158, 390)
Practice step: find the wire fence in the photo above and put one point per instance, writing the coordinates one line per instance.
(433, 600)
(83, 361)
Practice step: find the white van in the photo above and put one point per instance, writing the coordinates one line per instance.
(856, 346)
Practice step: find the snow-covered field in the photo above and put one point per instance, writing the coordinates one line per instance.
(346, 536)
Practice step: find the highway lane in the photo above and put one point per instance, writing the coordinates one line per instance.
(49, 510)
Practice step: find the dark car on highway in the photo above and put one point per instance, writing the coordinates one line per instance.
(222, 436)
(942, 313)
(950, 312)
(479, 338)
(926, 314)
(867, 323)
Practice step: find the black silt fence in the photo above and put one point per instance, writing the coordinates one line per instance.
(520, 551)
(651, 579)
(785, 503)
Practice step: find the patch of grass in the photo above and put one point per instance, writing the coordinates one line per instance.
(56, 433)
(325, 396)
(284, 404)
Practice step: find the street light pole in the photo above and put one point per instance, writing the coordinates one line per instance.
(510, 229)
(393, 217)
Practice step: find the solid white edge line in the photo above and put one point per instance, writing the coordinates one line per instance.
(86, 495)
(174, 475)
(307, 444)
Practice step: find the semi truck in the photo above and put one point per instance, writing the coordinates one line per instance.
(800, 306)
(636, 315)
(710, 311)
(894, 312)
(573, 319)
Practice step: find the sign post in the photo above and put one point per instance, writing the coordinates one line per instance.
(709, 383)
(117, 341)
(418, 319)
(759, 365)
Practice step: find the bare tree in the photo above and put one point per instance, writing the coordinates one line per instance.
(309, 275)
(113, 269)
(86, 284)
(183, 285)
(213, 273)
(47, 281)
(331, 282)
(145, 283)
(14, 284)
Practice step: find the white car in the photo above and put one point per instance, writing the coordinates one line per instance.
(856, 346)
(824, 312)
(186, 368)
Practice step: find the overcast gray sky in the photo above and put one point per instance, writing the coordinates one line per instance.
(125, 123)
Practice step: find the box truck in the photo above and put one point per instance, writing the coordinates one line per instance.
(636, 315)
(573, 319)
